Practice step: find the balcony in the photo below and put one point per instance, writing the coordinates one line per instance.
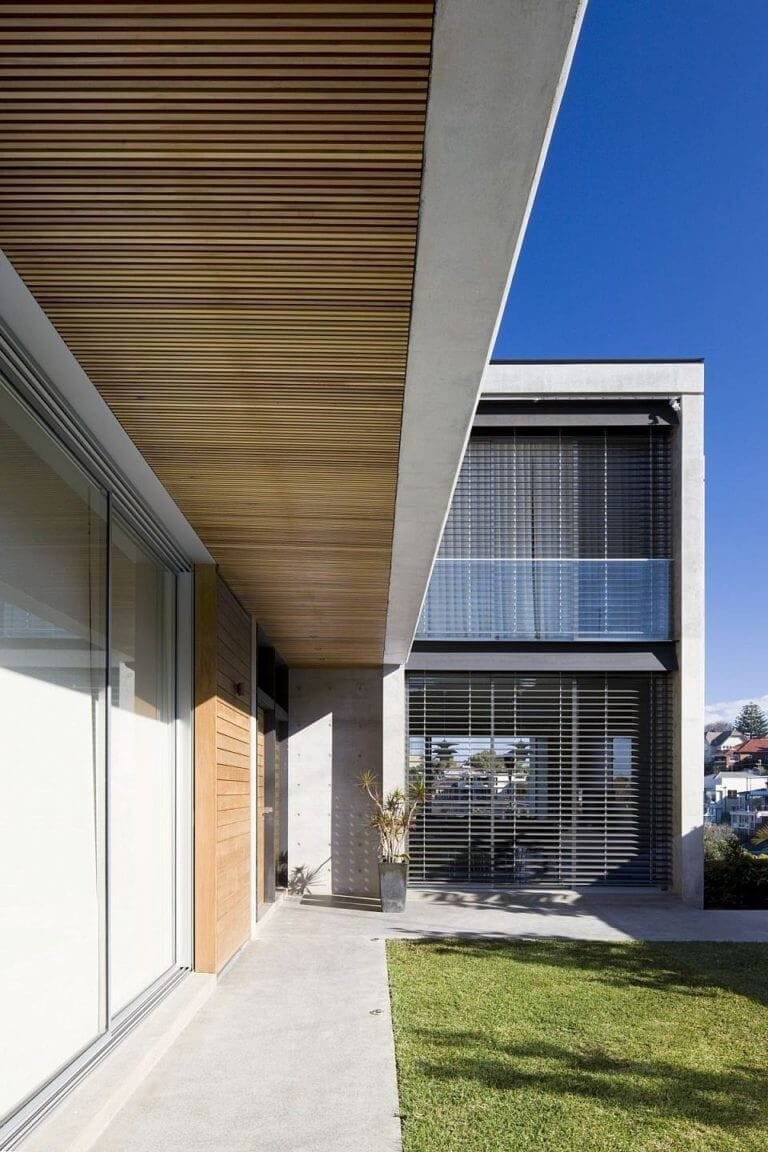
(548, 599)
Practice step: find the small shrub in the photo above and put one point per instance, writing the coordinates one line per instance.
(733, 877)
(393, 816)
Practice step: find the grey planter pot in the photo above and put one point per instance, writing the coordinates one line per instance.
(393, 881)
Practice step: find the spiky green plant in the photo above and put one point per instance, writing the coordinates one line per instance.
(393, 815)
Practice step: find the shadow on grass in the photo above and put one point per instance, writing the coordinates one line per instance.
(725, 1098)
(686, 968)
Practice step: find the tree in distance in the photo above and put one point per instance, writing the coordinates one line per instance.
(752, 722)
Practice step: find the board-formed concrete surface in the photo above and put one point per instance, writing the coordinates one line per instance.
(294, 1051)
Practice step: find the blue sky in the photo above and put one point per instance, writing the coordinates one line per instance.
(649, 238)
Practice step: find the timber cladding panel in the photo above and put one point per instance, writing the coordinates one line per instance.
(217, 206)
(260, 769)
(222, 772)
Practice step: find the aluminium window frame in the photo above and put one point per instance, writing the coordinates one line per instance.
(39, 399)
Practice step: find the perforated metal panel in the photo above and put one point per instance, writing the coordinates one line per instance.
(553, 780)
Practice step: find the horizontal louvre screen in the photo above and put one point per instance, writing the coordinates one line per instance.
(556, 536)
(552, 780)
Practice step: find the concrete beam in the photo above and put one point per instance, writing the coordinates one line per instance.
(541, 657)
(498, 73)
(584, 378)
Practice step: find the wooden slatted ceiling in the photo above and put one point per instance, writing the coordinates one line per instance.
(217, 206)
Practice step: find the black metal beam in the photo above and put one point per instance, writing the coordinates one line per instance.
(448, 656)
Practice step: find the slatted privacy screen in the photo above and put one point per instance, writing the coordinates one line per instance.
(541, 780)
(556, 536)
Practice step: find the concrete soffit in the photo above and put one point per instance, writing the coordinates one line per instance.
(498, 73)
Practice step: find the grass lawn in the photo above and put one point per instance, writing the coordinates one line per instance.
(570, 1046)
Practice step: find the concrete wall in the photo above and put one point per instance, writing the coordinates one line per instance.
(342, 722)
(688, 858)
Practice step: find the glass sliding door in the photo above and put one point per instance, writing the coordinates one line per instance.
(142, 769)
(88, 787)
(53, 584)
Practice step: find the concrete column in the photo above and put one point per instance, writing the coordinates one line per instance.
(393, 726)
(335, 734)
(687, 857)
(310, 760)
(343, 722)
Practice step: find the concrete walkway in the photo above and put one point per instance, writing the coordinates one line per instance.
(294, 1050)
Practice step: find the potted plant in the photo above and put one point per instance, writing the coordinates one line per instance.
(392, 818)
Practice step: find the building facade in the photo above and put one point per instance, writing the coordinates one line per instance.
(235, 397)
(547, 684)
(553, 694)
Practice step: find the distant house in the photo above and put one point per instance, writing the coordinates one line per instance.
(717, 728)
(754, 751)
(719, 745)
(746, 821)
(736, 798)
(731, 784)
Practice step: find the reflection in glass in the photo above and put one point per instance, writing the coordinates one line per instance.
(550, 779)
(141, 781)
(53, 579)
(556, 536)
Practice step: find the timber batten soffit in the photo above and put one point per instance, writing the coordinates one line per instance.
(216, 205)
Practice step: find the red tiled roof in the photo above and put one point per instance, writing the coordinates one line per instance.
(750, 747)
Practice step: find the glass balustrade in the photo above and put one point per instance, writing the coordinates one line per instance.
(548, 599)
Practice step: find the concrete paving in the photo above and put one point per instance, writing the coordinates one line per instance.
(294, 1052)
(604, 914)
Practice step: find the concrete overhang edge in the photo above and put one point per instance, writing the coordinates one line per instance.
(498, 74)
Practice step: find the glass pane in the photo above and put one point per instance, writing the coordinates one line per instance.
(539, 779)
(142, 770)
(53, 579)
(555, 536)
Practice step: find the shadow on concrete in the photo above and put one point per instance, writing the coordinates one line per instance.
(355, 903)
(302, 879)
(563, 903)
